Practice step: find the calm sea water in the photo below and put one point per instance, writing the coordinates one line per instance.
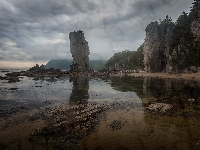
(149, 113)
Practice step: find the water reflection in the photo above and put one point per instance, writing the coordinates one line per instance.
(159, 90)
(80, 89)
(177, 128)
(98, 125)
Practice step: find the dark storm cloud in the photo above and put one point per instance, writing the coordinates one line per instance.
(45, 8)
(38, 30)
(137, 9)
(24, 20)
(10, 50)
(144, 9)
(21, 14)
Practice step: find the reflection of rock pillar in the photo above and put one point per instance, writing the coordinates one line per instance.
(168, 85)
(146, 92)
(80, 89)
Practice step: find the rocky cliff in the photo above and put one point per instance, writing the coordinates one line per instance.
(157, 45)
(80, 50)
(173, 46)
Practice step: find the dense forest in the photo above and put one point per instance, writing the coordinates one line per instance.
(185, 47)
(127, 59)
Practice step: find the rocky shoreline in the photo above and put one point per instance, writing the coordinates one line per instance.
(41, 72)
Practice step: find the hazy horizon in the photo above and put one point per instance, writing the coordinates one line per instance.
(28, 65)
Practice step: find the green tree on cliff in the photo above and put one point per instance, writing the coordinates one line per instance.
(184, 44)
(131, 59)
(195, 9)
(165, 24)
(194, 55)
(182, 41)
(167, 20)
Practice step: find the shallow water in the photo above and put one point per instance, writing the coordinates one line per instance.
(117, 113)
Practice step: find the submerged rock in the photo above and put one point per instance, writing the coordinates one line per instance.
(116, 125)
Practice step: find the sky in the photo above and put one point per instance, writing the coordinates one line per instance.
(36, 31)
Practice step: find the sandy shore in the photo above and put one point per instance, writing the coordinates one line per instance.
(193, 76)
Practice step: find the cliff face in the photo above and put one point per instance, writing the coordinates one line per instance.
(151, 47)
(173, 47)
(80, 51)
(156, 49)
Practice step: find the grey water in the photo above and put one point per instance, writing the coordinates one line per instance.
(178, 128)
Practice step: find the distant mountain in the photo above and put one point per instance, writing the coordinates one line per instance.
(64, 64)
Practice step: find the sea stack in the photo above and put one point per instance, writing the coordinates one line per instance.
(80, 51)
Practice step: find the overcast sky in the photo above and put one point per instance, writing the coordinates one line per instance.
(36, 31)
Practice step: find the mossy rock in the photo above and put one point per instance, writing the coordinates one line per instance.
(198, 99)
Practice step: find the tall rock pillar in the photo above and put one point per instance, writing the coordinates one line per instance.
(157, 47)
(152, 48)
(80, 50)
